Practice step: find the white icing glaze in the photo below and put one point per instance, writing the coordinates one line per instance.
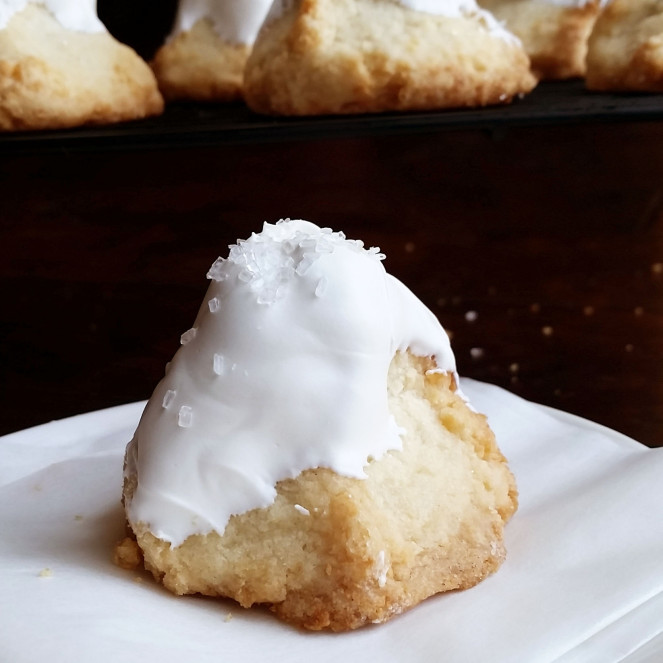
(442, 7)
(451, 8)
(77, 15)
(570, 3)
(236, 21)
(302, 382)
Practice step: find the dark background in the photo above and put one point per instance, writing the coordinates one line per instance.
(539, 247)
(142, 24)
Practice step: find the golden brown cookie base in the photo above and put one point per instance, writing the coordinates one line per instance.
(360, 56)
(333, 552)
(198, 65)
(54, 78)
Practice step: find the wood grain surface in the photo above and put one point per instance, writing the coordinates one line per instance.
(540, 250)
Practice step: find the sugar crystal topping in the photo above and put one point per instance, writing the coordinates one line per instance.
(218, 364)
(168, 398)
(188, 336)
(185, 416)
(266, 262)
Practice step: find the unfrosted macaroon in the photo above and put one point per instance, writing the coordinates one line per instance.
(317, 57)
(60, 67)
(309, 448)
(626, 47)
(553, 32)
(204, 56)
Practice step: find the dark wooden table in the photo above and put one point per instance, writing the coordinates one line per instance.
(539, 246)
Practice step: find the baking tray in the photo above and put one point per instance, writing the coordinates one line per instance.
(197, 125)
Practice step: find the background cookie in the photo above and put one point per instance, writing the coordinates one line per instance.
(52, 76)
(205, 55)
(553, 34)
(356, 56)
(626, 47)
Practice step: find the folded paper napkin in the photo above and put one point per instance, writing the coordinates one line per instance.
(583, 580)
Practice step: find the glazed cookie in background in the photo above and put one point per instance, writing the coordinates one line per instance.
(204, 57)
(59, 67)
(626, 47)
(553, 32)
(309, 448)
(355, 56)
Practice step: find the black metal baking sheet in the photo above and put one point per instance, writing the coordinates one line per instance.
(195, 125)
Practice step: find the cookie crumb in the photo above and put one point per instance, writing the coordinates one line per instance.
(127, 554)
(229, 617)
(46, 573)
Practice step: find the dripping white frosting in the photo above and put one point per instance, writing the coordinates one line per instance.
(77, 15)
(443, 7)
(236, 21)
(287, 370)
(570, 3)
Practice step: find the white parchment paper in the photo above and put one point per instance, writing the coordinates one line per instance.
(583, 581)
